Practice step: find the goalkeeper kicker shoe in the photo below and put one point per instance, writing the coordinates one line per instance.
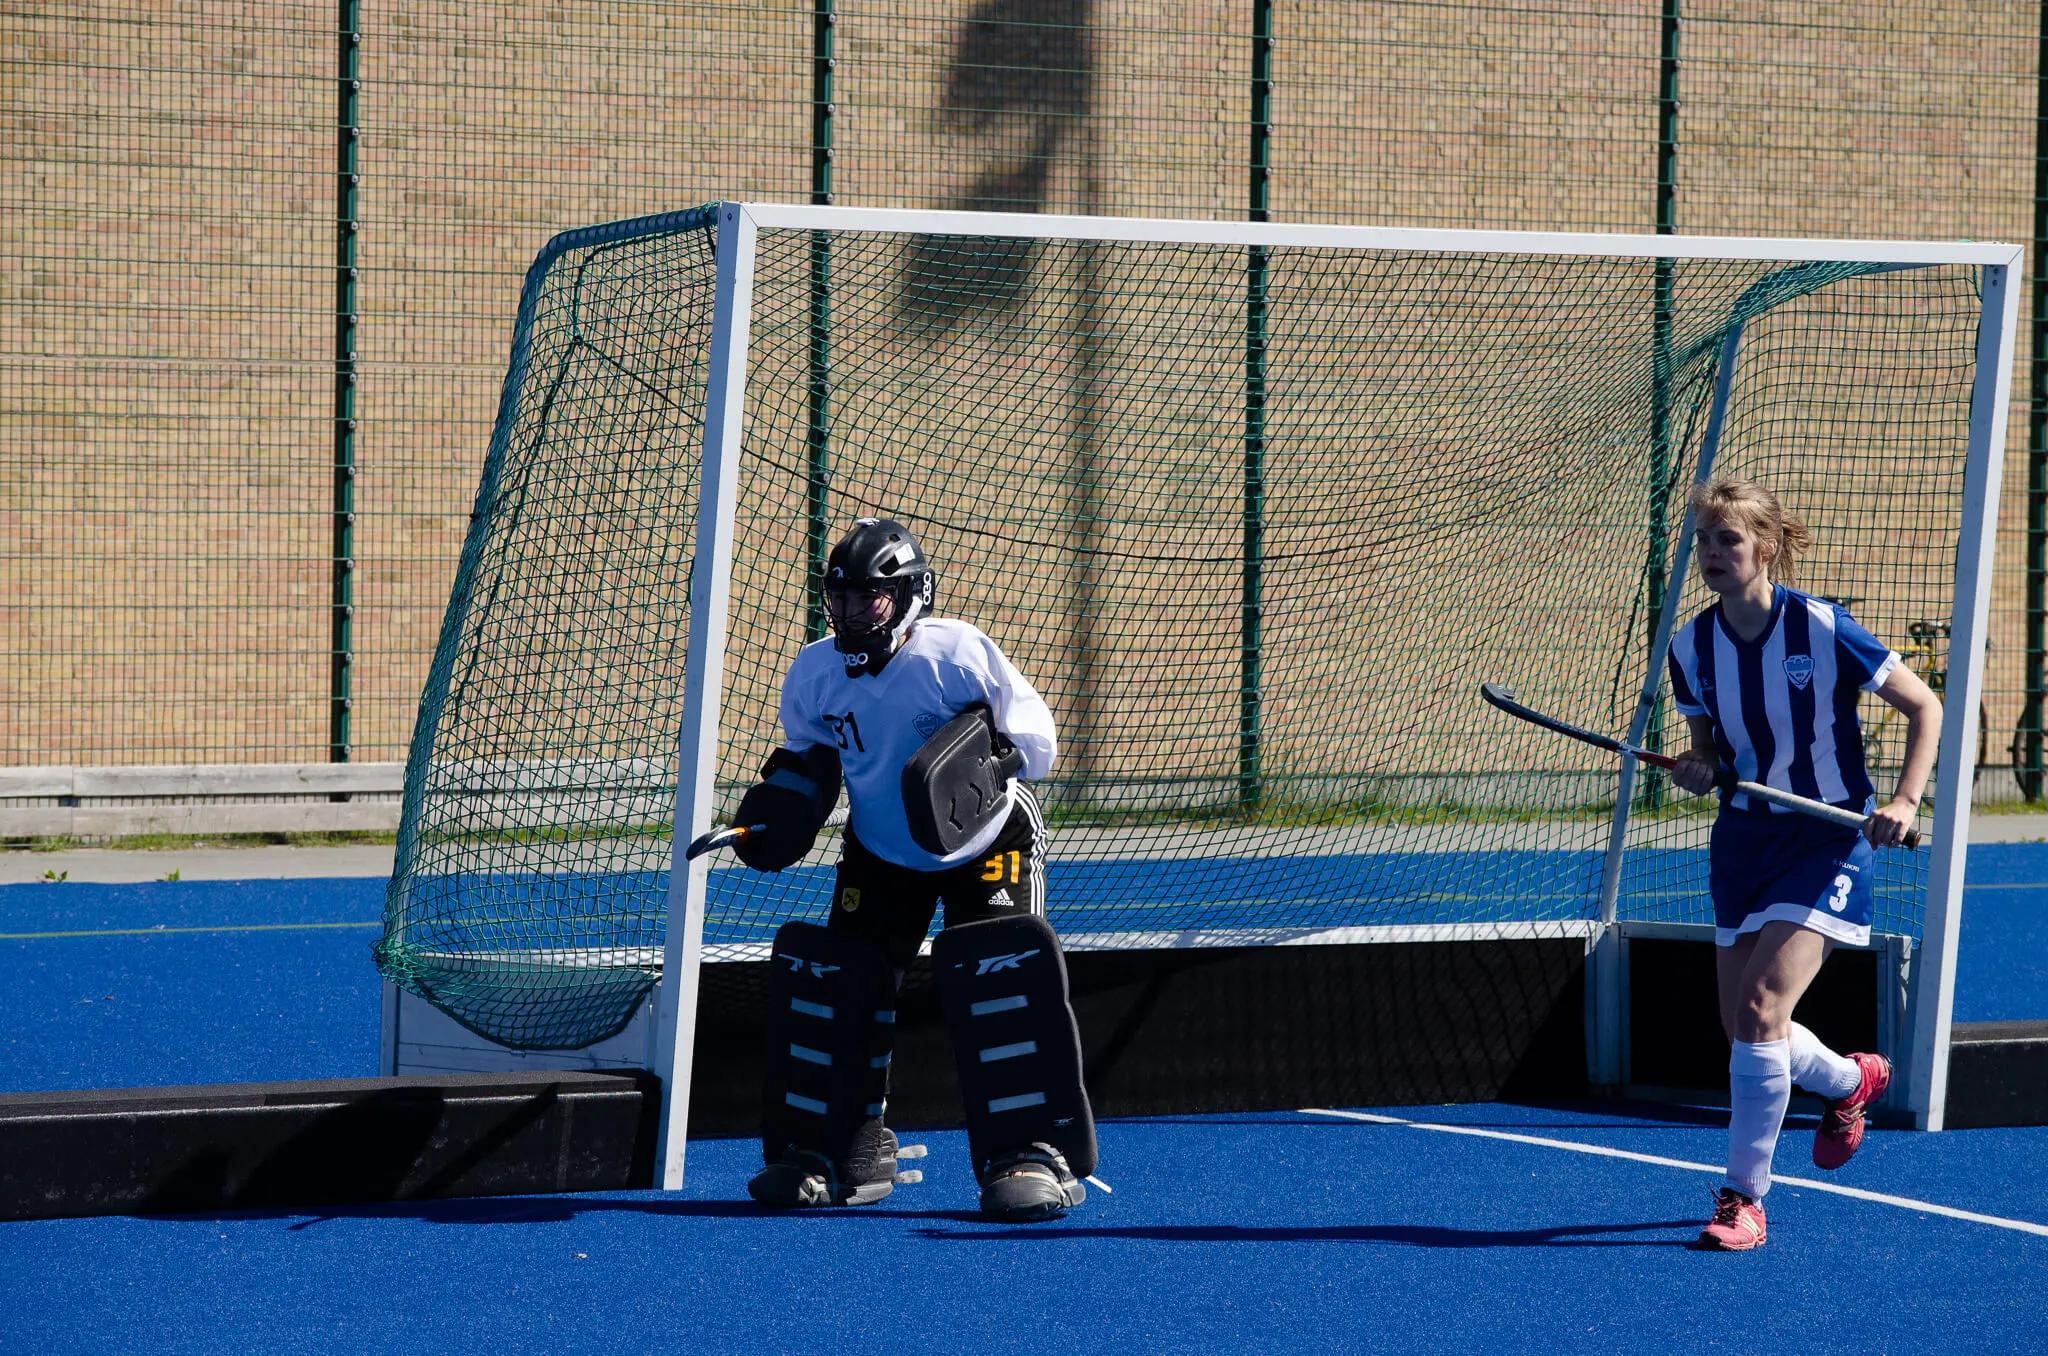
(802, 1177)
(1842, 1124)
(1029, 1184)
(1737, 1225)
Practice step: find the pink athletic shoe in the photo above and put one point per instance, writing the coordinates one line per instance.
(1841, 1126)
(1737, 1225)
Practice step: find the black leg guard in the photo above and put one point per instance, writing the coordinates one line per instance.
(1029, 1126)
(832, 1027)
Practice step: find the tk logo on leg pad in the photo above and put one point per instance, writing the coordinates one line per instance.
(818, 969)
(990, 964)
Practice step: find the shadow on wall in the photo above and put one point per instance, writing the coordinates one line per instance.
(1018, 90)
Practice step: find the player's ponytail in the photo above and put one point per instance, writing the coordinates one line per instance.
(1734, 499)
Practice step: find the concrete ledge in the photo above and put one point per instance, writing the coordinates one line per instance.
(291, 1146)
(1997, 1075)
(113, 802)
(204, 779)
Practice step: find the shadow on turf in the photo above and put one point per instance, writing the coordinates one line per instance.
(1408, 1235)
(557, 1210)
(561, 1209)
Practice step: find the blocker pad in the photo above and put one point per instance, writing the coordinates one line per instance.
(958, 782)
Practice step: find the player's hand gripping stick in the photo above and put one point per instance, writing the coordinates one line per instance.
(1497, 696)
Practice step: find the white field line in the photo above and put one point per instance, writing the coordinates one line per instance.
(1601, 1150)
(160, 930)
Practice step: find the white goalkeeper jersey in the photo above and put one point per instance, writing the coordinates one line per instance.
(877, 721)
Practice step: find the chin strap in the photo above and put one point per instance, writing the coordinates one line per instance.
(869, 653)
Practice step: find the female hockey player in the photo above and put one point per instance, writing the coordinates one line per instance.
(932, 729)
(1767, 679)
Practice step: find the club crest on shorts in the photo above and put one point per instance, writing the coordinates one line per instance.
(849, 899)
(1799, 669)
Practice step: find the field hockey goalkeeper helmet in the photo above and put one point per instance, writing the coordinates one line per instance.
(877, 559)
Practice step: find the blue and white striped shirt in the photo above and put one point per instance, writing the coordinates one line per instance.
(1784, 705)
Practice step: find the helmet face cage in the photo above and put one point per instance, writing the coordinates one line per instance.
(882, 555)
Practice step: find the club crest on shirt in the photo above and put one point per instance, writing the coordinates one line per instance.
(1799, 669)
(928, 724)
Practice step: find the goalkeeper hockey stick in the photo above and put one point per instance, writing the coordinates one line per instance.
(719, 838)
(1499, 697)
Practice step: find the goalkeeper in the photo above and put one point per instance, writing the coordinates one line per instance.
(932, 729)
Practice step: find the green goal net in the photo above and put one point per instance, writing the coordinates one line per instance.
(1257, 513)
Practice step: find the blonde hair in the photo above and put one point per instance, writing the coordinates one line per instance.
(1754, 508)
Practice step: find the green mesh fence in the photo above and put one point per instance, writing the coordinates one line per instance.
(234, 477)
(1256, 522)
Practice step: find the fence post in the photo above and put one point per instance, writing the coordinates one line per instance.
(341, 588)
(1661, 457)
(817, 502)
(2026, 752)
(1250, 790)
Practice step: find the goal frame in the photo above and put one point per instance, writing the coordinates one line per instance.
(737, 226)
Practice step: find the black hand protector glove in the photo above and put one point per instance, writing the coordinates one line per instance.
(791, 801)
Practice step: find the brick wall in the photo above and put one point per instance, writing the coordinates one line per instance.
(167, 240)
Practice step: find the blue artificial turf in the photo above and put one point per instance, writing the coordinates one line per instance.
(243, 981)
(1259, 1233)
(2002, 957)
(1279, 1232)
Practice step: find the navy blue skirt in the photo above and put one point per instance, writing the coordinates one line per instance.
(1793, 868)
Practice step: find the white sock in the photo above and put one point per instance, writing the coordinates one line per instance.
(1820, 1070)
(1759, 1087)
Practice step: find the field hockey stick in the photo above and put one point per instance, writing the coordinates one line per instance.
(718, 838)
(1499, 697)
